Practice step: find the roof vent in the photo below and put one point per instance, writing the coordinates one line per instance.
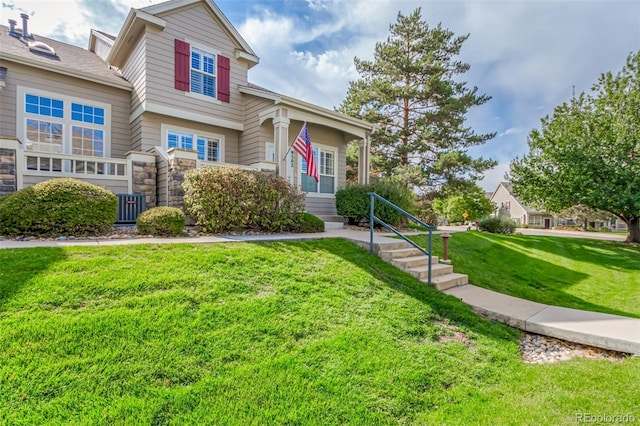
(25, 31)
(41, 47)
(13, 32)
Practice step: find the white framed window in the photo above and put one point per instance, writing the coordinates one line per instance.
(203, 72)
(535, 220)
(327, 171)
(210, 147)
(52, 122)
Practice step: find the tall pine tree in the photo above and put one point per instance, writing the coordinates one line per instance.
(411, 91)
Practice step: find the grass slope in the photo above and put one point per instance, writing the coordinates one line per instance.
(595, 275)
(301, 333)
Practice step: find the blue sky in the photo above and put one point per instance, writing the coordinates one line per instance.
(527, 55)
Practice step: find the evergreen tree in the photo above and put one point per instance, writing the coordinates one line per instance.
(413, 92)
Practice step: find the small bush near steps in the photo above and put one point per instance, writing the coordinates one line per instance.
(161, 221)
(58, 207)
(308, 223)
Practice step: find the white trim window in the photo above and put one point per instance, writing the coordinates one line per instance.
(210, 147)
(535, 220)
(327, 172)
(203, 72)
(50, 122)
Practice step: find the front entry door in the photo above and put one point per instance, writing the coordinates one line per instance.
(547, 223)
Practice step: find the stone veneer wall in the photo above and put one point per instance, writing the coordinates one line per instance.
(144, 180)
(177, 168)
(8, 175)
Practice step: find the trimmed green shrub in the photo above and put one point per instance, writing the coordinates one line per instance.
(566, 228)
(308, 223)
(161, 221)
(224, 199)
(604, 229)
(353, 202)
(58, 207)
(498, 225)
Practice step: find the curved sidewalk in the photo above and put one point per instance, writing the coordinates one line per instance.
(606, 331)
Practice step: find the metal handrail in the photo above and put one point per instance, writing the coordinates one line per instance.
(373, 219)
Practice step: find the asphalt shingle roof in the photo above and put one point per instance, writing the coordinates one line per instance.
(67, 56)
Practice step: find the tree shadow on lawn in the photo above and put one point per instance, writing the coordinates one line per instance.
(20, 266)
(615, 255)
(494, 262)
(442, 306)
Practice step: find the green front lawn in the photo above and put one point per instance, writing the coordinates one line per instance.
(594, 275)
(298, 333)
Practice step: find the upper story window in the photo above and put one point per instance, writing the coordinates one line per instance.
(200, 71)
(50, 122)
(203, 76)
(208, 146)
(326, 160)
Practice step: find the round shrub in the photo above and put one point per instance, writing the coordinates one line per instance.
(161, 221)
(224, 199)
(308, 223)
(58, 207)
(498, 225)
(353, 201)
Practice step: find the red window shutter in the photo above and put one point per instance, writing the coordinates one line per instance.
(224, 71)
(183, 69)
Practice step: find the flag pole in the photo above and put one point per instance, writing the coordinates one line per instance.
(294, 141)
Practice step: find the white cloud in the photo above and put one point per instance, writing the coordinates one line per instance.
(527, 55)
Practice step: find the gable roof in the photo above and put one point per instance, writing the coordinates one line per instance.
(137, 19)
(323, 116)
(68, 59)
(231, 30)
(509, 188)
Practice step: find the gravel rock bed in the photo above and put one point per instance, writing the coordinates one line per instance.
(537, 349)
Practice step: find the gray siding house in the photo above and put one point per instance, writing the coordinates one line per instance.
(508, 205)
(168, 93)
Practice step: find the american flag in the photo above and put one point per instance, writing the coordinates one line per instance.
(302, 145)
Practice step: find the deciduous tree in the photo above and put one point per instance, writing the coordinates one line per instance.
(473, 202)
(588, 152)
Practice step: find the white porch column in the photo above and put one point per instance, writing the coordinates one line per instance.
(363, 160)
(281, 141)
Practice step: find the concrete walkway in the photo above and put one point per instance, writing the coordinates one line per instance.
(606, 331)
(591, 328)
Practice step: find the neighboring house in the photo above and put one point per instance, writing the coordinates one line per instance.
(508, 205)
(169, 93)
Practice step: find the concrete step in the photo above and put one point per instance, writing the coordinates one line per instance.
(405, 263)
(331, 218)
(444, 282)
(388, 255)
(422, 272)
(330, 226)
(385, 246)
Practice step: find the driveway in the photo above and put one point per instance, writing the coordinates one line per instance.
(552, 233)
